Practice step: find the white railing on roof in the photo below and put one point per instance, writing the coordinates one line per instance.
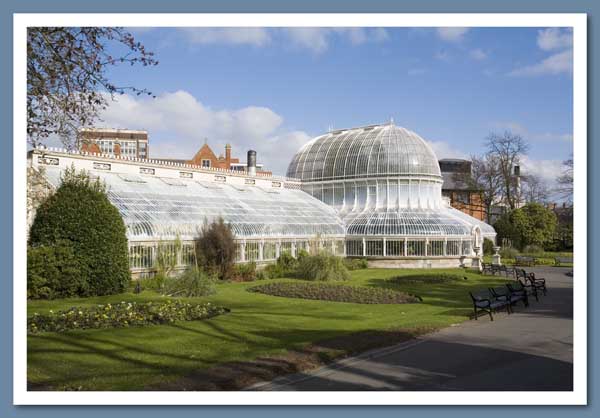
(163, 163)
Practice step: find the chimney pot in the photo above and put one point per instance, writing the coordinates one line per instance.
(251, 163)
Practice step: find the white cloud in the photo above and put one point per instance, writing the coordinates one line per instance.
(443, 149)
(178, 124)
(317, 39)
(455, 34)
(519, 129)
(236, 36)
(478, 54)
(281, 148)
(561, 62)
(555, 38)
(547, 170)
(314, 39)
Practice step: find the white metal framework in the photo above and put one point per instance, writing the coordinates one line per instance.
(385, 183)
(267, 215)
(370, 192)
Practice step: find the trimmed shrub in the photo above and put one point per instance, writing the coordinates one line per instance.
(215, 249)
(286, 266)
(334, 293)
(272, 271)
(488, 247)
(121, 315)
(287, 262)
(301, 253)
(322, 267)
(426, 279)
(356, 263)
(192, 283)
(80, 213)
(244, 272)
(53, 272)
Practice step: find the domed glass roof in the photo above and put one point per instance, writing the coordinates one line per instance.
(370, 151)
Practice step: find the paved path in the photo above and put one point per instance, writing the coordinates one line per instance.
(531, 349)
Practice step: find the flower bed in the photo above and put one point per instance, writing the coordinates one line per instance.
(426, 279)
(122, 315)
(334, 293)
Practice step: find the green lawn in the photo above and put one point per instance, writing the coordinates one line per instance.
(258, 325)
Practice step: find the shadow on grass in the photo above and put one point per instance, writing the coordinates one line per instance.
(181, 372)
(333, 344)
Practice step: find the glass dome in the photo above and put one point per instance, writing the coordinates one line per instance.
(384, 182)
(370, 151)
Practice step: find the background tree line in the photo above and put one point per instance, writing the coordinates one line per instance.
(526, 220)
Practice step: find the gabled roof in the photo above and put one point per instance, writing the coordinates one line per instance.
(205, 149)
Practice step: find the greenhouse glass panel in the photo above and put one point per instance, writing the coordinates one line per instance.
(251, 251)
(435, 248)
(354, 248)
(239, 252)
(155, 210)
(188, 254)
(394, 248)
(269, 251)
(286, 247)
(467, 248)
(415, 248)
(339, 247)
(374, 247)
(453, 248)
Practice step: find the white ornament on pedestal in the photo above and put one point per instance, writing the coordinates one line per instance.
(496, 257)
(476, 261)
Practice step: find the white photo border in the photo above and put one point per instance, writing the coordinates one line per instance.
(578, 21)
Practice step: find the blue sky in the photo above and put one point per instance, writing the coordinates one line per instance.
(274, 89)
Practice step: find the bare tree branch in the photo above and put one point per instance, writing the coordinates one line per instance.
(507, 150)
(67, 85)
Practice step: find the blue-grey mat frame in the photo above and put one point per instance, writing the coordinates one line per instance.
(8, 7)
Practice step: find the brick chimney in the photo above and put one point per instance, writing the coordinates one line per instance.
(228, 155)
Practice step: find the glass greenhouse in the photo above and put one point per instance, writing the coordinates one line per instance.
(384, 181)
(372, 192)
(266, 221)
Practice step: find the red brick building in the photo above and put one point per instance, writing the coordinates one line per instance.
(205, 157)
(118, 142)
(462, 196)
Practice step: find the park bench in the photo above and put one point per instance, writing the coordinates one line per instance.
(507, 270)
(524, 260)
(520, 274)
(537, 283)
(486, 268)
(523, 278)
(503, 269)
(486, 301)
(495, 268)
(518, 292)
(563, 260)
